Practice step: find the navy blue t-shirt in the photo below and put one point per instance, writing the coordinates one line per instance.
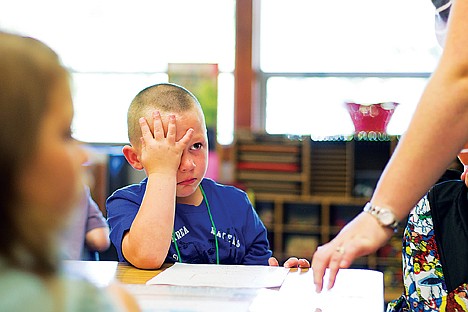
(242, 237)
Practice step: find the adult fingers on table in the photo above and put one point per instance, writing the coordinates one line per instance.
(320, 262)
(334, 256)
(337, 254)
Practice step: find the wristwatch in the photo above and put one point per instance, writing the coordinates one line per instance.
(384, 216)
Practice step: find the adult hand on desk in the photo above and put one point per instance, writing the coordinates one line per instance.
(362, 236)
(292, 262)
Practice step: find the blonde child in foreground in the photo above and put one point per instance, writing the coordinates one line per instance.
(176, 214)
(40, 165)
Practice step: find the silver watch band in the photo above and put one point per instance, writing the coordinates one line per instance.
(384, 216)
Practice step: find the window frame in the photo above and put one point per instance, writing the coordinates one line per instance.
(258, 79)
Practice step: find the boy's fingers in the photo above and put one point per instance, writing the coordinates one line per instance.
(158, 128)
(273, 262)
(304, 263)
(145, 130)
(187, 137)
(171, 128)
(292, 262)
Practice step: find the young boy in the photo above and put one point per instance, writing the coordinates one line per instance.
(176, 214)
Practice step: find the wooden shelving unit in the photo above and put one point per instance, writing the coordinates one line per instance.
(305, 191)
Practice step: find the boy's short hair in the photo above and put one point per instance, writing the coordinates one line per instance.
(164, 97)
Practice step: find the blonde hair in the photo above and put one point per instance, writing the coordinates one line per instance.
(29, 71)
(164, 97)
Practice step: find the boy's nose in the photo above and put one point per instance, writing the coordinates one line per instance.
(186, 163)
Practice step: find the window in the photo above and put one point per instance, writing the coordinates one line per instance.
(115, 48)
(316, 55)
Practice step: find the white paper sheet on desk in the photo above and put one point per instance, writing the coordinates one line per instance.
(170, 298)
(355, 290)
(213, 275)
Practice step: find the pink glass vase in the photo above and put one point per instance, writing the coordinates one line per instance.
(371, 117)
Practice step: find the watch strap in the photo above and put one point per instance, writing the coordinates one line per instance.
(375, 211)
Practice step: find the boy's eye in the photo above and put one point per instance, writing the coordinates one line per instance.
(196, 146)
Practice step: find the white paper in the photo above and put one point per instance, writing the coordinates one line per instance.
(100, 273)
(354, 290)
(213, 275)
(167, 298)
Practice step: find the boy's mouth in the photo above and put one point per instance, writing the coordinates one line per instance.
(187, 182)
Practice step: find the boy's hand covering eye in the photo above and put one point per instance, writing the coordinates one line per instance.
(160, 152)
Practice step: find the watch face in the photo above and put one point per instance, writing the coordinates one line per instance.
(386, 217)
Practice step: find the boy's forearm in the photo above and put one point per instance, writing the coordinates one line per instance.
(149, 238)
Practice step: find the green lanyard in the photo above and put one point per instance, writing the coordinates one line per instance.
(212, 224)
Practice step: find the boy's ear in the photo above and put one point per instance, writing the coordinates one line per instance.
(131, 156)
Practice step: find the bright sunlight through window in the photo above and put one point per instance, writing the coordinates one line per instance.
(313, 55)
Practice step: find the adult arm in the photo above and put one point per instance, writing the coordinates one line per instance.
(436, 134)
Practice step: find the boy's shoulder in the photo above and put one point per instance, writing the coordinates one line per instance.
(132, 191)
(228, 194)
(210, 184)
